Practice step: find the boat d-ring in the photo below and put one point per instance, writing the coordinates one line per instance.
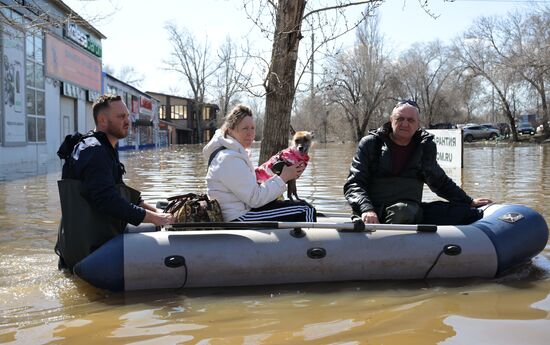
(174, 261)
(316, 253)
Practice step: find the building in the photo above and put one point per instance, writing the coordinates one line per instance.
(50, 76)
(532, 119)
(143, 131)
(178, 118)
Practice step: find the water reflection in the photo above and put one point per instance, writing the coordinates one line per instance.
(40, 305)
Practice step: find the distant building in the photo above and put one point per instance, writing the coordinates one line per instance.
(179, 119)
(143, 108)
(532, 119)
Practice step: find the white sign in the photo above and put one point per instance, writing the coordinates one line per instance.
(74, 33)
(13, 86)
(449, 147)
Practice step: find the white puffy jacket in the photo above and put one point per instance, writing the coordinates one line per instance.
(232, 181)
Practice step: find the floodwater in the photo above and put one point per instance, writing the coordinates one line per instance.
(40, 305)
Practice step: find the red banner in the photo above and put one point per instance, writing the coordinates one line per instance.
(66, 63)
(146, 106)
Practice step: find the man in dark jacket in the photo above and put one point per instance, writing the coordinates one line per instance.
(390, 168)
(92, 161)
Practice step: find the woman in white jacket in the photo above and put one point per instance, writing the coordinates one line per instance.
(232, 181)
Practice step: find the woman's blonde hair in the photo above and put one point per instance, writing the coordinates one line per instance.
(235, 117)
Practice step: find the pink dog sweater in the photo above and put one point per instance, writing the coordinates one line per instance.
(289, 155)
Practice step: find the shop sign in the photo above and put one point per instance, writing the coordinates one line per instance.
(83, 39)
(66, 63)
(70, 90)
(94, 46)
(76, 35)
(143, 122)
(145, 106)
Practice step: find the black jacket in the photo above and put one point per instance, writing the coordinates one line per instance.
(95, 162)
(371, 168)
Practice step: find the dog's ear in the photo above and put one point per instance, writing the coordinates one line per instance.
(292, 131)
(312, 135)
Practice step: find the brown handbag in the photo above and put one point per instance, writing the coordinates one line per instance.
(194, 208)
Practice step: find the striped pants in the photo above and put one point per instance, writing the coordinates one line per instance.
(281, 211)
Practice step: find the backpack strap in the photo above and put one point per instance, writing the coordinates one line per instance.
(213, 155)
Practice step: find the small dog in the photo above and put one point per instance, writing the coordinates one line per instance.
(296, 153)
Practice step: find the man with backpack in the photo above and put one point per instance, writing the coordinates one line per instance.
(96, 204)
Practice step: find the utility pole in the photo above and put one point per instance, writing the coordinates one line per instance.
(312, 85)
(493, 104)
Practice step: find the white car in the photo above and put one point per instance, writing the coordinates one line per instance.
(473, 132)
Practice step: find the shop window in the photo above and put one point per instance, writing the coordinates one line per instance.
(35, 93)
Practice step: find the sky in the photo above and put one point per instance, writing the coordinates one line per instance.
(136, 35)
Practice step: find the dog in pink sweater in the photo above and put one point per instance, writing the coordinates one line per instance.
(296, 153)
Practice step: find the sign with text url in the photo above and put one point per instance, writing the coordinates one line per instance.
(449, 147)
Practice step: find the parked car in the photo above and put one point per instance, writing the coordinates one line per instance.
(472, 132)
(489, 125)
(525, 128)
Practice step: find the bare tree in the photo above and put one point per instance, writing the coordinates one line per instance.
(232, 77)
(311, 114)
(193, 61)
(43, 17)
(526, 48)
(280, 80)
(127, 74)
(466, 93)
(477, 54)
(424, 70)
(358, 80)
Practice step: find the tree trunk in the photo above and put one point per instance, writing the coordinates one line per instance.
(544, 104)
(280, 81)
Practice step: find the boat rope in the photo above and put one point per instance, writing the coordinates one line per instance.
(185, 280)
(449, 249)
(435, 262)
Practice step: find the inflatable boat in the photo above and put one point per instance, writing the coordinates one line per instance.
(333, 249)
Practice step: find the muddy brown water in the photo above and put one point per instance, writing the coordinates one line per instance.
(40, 305)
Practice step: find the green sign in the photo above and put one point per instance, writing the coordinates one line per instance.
(94, 46)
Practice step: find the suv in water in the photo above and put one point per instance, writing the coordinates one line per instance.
(472, 132)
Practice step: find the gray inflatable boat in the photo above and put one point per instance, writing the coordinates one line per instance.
(331, 250)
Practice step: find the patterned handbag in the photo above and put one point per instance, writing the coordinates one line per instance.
(194, 208)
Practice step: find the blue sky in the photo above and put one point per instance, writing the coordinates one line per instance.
(136, 35)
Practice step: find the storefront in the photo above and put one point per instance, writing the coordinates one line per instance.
(50, 75)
